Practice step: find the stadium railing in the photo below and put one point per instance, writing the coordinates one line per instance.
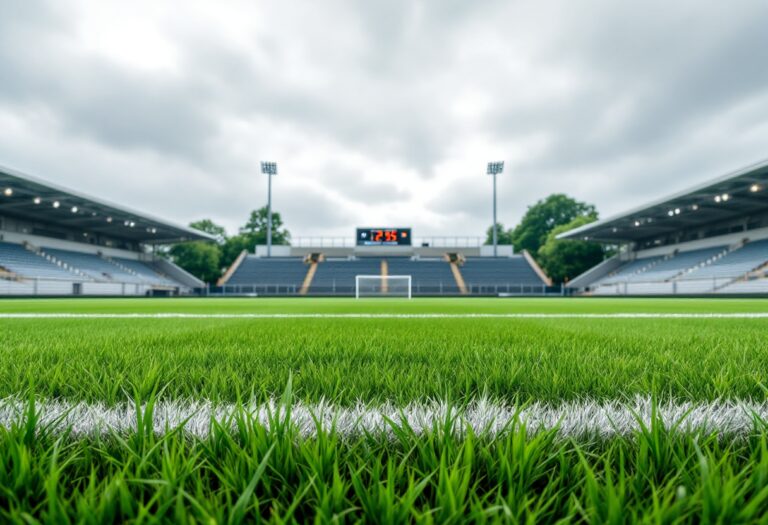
(441, 289)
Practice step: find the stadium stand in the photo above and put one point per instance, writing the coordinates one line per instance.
(59, 242)
(759, 285)
(23, 262)
(337, 276)
(269, 275)
(711, 239)
(92, 265)
(429, 275)
(502, 274)
(630, 270)
(142, 270)
(735, 263)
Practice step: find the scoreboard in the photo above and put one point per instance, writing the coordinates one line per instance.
(383, 236)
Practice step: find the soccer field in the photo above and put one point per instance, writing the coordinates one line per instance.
(229, 410)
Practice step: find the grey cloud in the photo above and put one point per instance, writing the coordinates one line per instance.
(642, 82)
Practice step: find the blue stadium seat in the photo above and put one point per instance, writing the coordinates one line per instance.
(93, 266)
(500, 274)
(260, 273)
(17, 259)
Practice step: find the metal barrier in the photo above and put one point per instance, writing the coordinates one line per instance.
(51, 286)
(440, 289)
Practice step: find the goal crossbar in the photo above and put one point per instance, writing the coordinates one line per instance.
(383, 285)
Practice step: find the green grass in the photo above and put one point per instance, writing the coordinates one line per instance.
(273, 474)
(377, 360)
(335, 305)
(254, 474)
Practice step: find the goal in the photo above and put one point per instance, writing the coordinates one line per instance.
(382, 286)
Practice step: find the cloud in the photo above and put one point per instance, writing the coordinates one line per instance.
(380, 112)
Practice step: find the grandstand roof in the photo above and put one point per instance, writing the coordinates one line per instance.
(737, 194)
(30, 198)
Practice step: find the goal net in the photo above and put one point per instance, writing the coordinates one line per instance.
(382, 286)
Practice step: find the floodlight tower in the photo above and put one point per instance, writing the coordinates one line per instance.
(495, 168)
(269, 169)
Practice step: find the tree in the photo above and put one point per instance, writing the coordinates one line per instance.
(541, 218)
(564, 259)
(256, 227)
(206, 260)
(502, 236)
(200, 258)
(234, 246)
(254, 232)
(208, 226)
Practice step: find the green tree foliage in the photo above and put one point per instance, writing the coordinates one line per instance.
(565, 259)
(234, 246)
(254, 232)
(541, 218)
(208, 226)
(256, 227)
(502, 236)
(200, 258)
(207, 261)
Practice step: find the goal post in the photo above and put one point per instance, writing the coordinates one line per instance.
(382, 286)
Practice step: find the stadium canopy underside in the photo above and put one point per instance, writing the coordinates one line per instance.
(736, 195)
(32, 199)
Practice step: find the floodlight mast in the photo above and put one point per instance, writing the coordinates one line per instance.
(495, 168)
(269, 169)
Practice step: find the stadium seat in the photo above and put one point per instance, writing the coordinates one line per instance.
(23, 262)
(501, 274)
(92, 265)
(265, 275)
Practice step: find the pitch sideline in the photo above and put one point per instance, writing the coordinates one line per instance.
(179, 315)
(583, 420)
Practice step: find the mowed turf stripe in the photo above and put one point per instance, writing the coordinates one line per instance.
(172, 315)
(582, 420)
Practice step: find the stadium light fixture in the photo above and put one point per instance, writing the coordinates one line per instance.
(74, 209)
(269, 169)
(8, 192)
(495, 168)
(718, 198)
(56, 204)
(725, 197)
(695, 207)
(109, 219)
(754, 188)
(37, 200)
(677, 211)
(671, 213)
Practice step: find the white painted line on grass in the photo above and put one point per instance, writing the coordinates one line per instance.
(177, 315)
(581, 420)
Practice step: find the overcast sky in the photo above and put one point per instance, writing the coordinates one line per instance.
(381, 112)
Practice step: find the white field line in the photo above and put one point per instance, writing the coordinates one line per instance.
(583, 420)
(176, 315)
